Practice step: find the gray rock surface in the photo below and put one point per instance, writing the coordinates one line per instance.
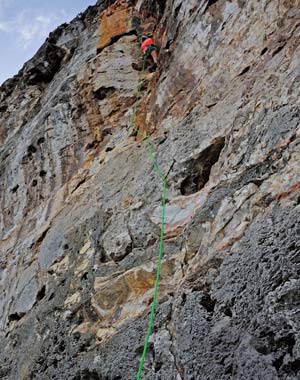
(80, 204)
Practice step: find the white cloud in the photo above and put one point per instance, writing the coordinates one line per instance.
(32, 30)
(28, 27)
(4, 27)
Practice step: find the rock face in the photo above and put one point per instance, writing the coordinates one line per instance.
(81, 204)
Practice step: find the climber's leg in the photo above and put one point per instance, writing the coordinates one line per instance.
(154, 56)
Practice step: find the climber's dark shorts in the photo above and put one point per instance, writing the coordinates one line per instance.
(150, 49)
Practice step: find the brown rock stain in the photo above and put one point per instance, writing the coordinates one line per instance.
(128, 295)
(114, 22)
(113, 294)
(91, 107)
(289, 191)
(140, 281)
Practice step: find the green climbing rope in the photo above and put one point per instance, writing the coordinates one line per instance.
(162, 232)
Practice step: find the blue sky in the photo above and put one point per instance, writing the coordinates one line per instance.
(25, 24)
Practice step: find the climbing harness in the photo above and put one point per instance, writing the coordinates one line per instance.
(162, 231)
(150, 49)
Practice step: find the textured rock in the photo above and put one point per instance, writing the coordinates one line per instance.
(81, 205)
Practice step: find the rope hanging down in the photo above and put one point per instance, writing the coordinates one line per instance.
(162, 232)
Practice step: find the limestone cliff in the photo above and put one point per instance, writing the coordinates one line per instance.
(80, 202)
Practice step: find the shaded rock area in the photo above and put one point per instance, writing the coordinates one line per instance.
(44, 65)
(80, 204)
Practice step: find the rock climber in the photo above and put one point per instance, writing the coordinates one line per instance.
(149, 49)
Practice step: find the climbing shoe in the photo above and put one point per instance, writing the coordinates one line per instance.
(137, 66)
(152, 68)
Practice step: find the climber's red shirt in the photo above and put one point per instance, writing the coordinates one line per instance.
(148, 42)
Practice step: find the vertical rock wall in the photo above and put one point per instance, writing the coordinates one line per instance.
(80, 204)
